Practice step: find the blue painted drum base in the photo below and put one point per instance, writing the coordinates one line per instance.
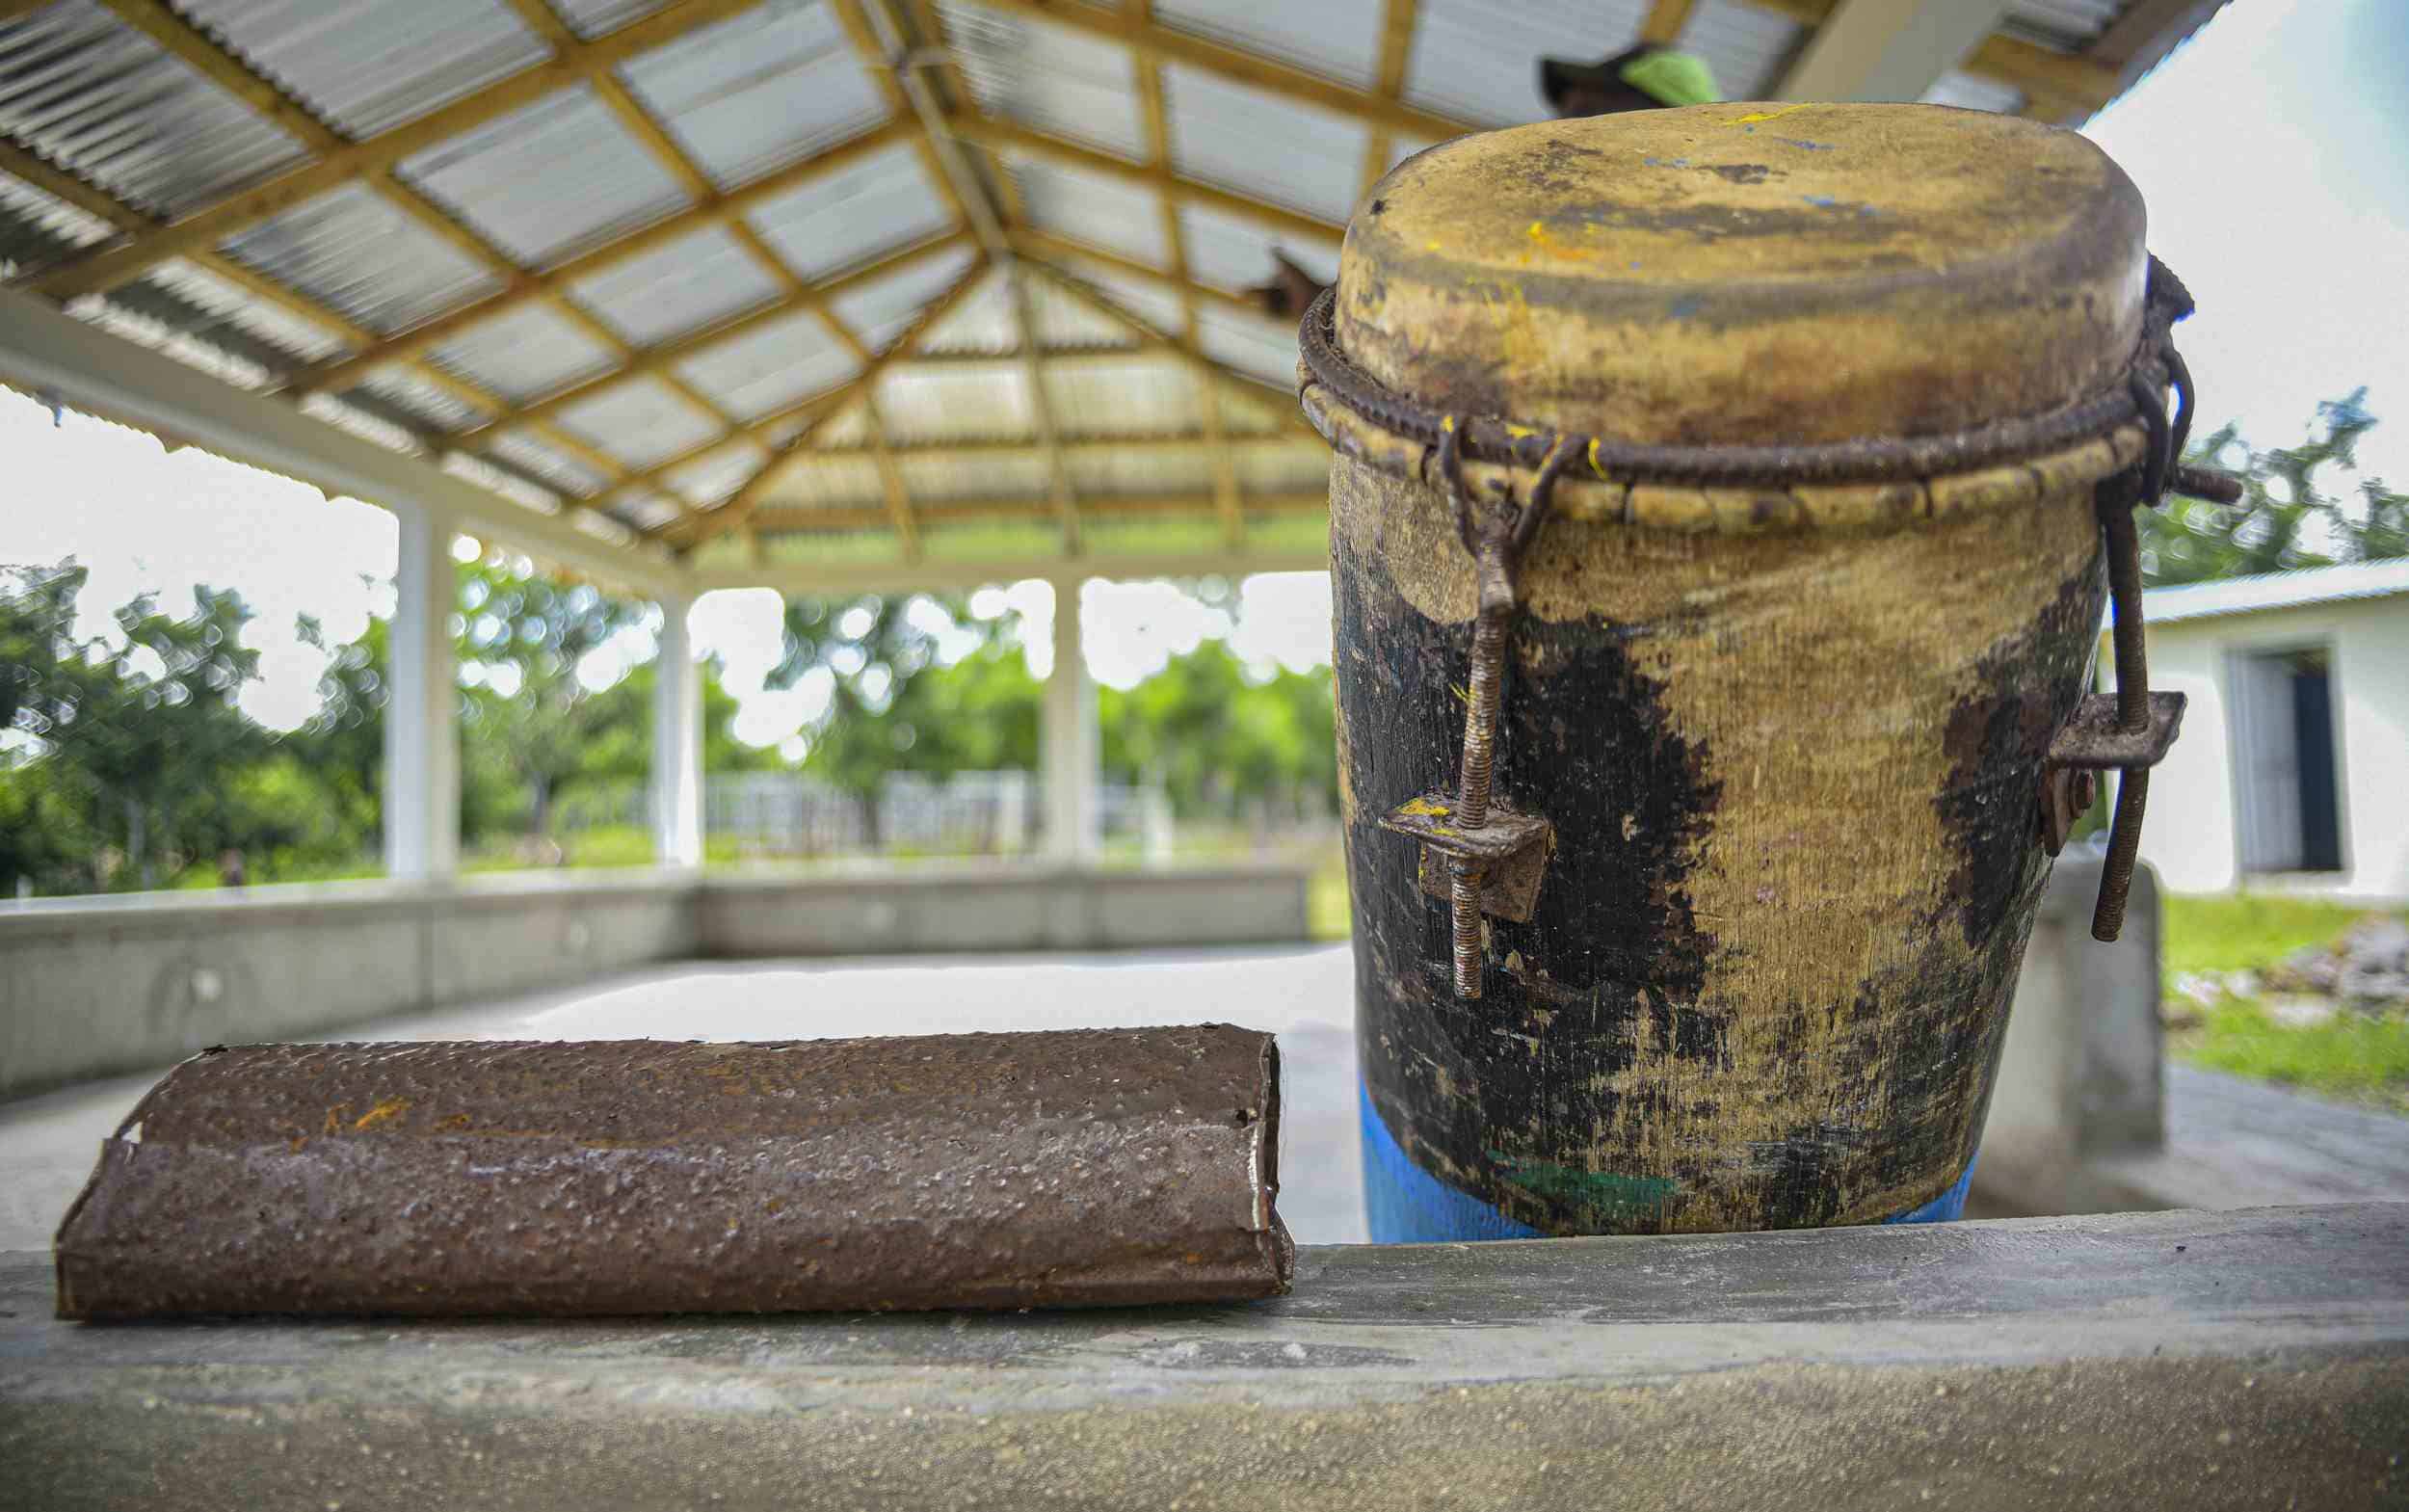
(1407, 1204)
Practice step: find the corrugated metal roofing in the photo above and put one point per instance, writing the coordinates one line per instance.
(715, 474)
(557, 469)
(770, 367)
(2313, 585)
(94, 98)
(1337, 38)
(1234, 253)
(1258, 348)
(935, 404)
(697, 281)
(878, 204)
(640, 421)
(2065, 24)
(36, 229)
(982, 321)
(1154, 470)
(758, 89)
(355, 252)
(439, 408)
(878, 312)
(592, 18)
(1062, 321)
(1140, 396)
(1478, 59)
(1088, 207)
(525, 354)
(1967, 93)
(1155, 303)
(1048, 76)
(1747, 47)
(368, 66)
(486, 474)
(846, 480)
(226, 306)
(544, 181)
(931, 478)
(1264, 146)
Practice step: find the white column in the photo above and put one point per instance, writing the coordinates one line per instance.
(421, 730)
(677, 742)
(1068, 738)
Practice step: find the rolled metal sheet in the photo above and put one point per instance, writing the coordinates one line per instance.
(1072, 1168)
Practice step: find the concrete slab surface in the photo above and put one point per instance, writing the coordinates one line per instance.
(2166, 1359)
(1306, 995)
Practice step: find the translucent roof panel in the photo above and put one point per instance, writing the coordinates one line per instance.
(1141, 396)
(1747, 47)
(1048, 76)
(697, 281)
(590, 18)
(1337, 38)
(1117, 472)
(878, 312)
(1233, 254)
(935, 404)
(984, 320)
(1091, 208)
(878, 204)
(544, 181)
(1155, 303)
(1478, 59)
(825, 480)
(356, 252)
(90, 95)
(939, 477)
(1257, 348)
(758, 89)
(715, 474)
(770, 367)
(1967, 93)
(1262, 145)
(368, 66)
(640, 421)
(404, 389)
(2068, 25)
(1062, 321)
(229, 305)
(548, 462)
(525, 354)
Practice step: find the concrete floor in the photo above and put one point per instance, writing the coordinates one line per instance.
(1306, 996)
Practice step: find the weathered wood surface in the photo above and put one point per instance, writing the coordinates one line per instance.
(2179, 1360)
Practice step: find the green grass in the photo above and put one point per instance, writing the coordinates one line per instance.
(2352, 1056)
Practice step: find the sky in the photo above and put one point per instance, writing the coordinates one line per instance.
(2270, 152)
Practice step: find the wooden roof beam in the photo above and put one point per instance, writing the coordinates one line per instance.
(891, 479)
(2079, 82)
(732, 514)
(1023, 446)
(1398, 19)
(1003, 136)
(108, 268)
(807, 518)
(1161, 45)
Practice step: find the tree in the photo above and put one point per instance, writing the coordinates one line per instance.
(2284, 520)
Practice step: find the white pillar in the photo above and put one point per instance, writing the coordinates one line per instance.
(421, 728)
(677, 742)
(1068, 738)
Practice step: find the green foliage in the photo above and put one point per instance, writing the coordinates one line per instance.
(2284, 518)
(2351, 1056)
(1207, 729)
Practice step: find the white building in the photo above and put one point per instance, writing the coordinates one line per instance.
(2292, 770)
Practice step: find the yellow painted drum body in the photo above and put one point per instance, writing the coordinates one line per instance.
(1788, 739)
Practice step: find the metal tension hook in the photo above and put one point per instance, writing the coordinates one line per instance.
(1481, 856)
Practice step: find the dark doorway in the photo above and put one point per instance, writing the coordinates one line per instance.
(2285, 786)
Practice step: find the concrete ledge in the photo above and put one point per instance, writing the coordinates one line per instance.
(999, 907)
(2177, 1360)
(90, 987)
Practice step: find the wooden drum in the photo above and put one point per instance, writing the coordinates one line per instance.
(1735, 485)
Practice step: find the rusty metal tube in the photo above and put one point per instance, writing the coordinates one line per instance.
(1073, 1168)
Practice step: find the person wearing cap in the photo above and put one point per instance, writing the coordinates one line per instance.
(1646, 77)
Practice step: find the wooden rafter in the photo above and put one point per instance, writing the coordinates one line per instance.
(873, 55)
(932, 27)
(661, 359)
(1666, 21)
(98, 203)
(1254, 392)
(1162, 44)
(1157, 117)
(1026, 446)
(1042, 414)
(890, 480)
(2081, 83)
(842, 518)
(1048, 246)
(1398, 21)
(740, 505)
(187, 43)
(1004, 136)
(107, 269)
